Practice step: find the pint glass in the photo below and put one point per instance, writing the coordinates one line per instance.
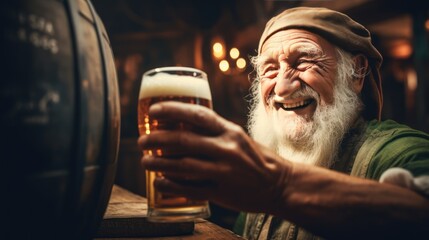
(182, 84)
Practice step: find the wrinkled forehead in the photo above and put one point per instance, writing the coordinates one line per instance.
(296, 41)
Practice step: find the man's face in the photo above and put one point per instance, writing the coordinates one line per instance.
(292, 60)
(304, 99)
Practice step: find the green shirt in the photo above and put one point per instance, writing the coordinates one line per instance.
(369, 149)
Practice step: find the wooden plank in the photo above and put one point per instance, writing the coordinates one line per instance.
(126, 217)
(203, 230)
(125, 204)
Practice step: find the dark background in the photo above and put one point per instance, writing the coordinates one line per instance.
(148, 34)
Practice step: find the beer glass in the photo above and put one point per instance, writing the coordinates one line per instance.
(182, 84)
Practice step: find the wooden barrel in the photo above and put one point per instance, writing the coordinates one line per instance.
(60, 119)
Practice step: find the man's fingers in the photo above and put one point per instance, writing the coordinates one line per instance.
(184, 168)
(181, 142)
(199, 116)
(196, 190)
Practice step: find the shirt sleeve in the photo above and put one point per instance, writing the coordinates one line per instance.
(407, 149)
(402, 159)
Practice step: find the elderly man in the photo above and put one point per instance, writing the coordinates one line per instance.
(320, 162)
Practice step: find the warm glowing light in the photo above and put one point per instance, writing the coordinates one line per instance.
(147, 126)
(218, 50)
(234, 53)
(217, 47)
(427, 25)
(402, 50)
(224, 65)
(411, 80)
(241, 63)
(159, 152)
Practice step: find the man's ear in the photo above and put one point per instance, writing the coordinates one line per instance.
(361, 67)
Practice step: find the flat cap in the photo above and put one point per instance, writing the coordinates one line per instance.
(345, 33)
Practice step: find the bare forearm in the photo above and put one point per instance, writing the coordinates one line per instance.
(336, 205)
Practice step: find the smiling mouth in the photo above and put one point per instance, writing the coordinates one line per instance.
(295, 106)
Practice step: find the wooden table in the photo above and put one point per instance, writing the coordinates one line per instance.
(125, 218)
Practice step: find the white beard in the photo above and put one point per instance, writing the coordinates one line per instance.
(304, 139)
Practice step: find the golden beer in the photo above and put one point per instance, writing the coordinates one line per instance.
(182, 84)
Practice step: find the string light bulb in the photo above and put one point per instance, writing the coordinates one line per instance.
(224, 65)
(234, 53)
(241, 63)
(218, 50)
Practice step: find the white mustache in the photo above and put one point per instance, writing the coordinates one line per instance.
(303, 92)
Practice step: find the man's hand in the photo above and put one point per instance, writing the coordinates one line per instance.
(220, 163)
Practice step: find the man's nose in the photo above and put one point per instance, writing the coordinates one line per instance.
(287, 82)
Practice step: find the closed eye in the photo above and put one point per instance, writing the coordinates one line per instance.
(304, 64)
(270, 72)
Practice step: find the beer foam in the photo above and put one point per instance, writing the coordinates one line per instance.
(164, 84)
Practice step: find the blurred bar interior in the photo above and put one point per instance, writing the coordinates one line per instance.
(219, 36)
